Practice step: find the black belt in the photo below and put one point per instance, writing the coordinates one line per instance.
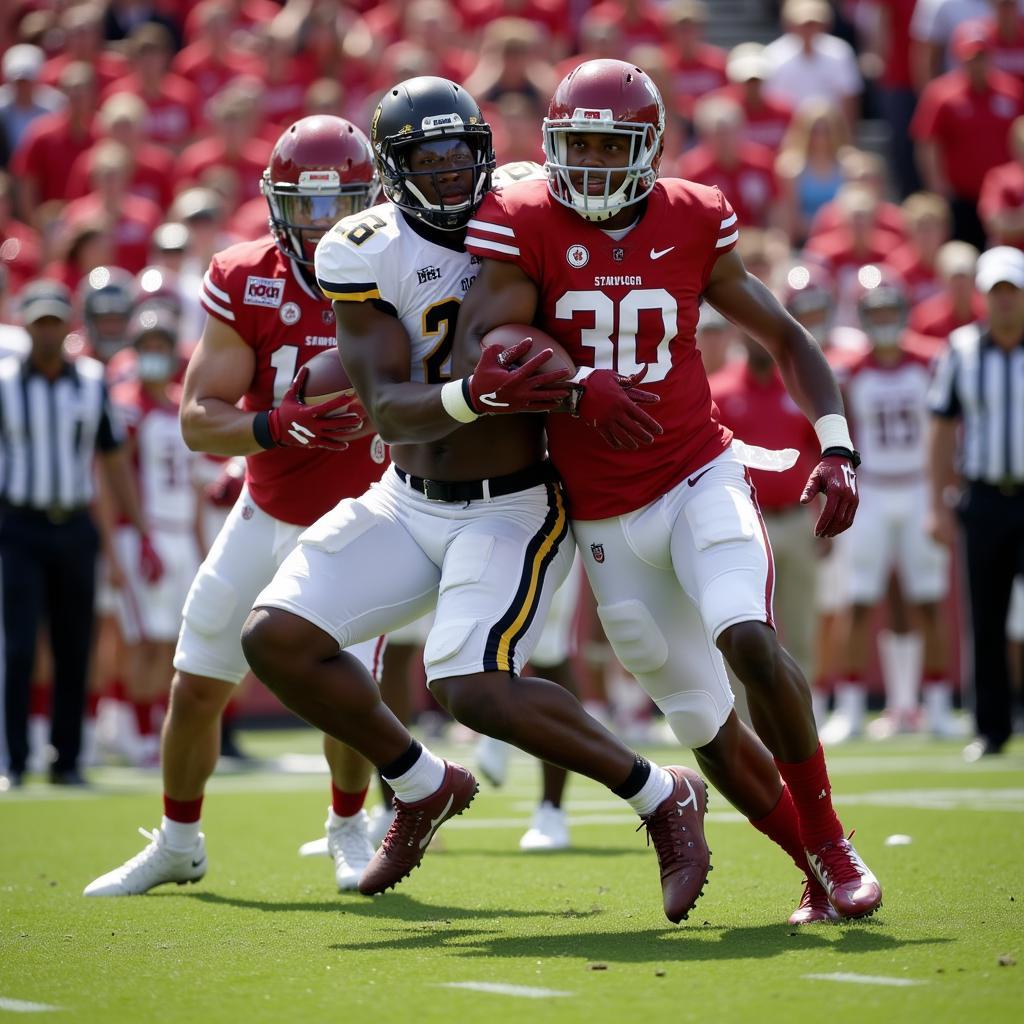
(54, 514)
(1007, 488)
(475, 490)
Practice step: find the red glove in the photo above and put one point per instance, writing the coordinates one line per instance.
(495, 388)
(151, 567)
(834, 476)
(294, 424)
(610, 403)
(224, 491)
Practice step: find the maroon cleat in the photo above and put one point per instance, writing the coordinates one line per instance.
(814, 906)
(852, 889)
(677, 830)
(413, 828)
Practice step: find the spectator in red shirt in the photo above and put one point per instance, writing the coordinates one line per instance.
(962, 125)
(1008, 38)
(635, 21)
(50, 146)
(1001, 205)
(235, 145)
(82, 40)
(122, 118)
(513, 120)
(928, 226)
(956, 305)
(81, 248)
(130, 219)
(429, 23)
(597, 41)
(696, 67)
(20, 248)
(766, 119)
(174, 106)
(808, 167)
(717, 340)
(860, 167)
(244, 16)
(212, 61)
(742, 170)
(286, 79)
(511, 60)
(551, 15)
(23, 98)
(753, 402)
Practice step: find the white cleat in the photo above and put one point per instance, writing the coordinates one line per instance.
(381, 818)
(315, 848)
(492, 759)
(349, 844)
(549, 830)
(839, 728)
(156, 865)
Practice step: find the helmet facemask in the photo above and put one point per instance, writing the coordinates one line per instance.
(639, 174)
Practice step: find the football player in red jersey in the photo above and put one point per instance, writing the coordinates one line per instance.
(266, 319)
(614, 264)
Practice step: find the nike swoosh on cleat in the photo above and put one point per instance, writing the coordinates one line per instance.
(435, 822)
(691, 799)
(693, 479)
(656, 255)
(198, 863)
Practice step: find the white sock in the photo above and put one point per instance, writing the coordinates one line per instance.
(852, 701)
(421, 780)
(656, 789)
(337, 820)
(180, 836)
(938, 703)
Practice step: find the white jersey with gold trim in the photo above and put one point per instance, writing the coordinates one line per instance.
(378, 255)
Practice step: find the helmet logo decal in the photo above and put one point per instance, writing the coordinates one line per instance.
(319, 179)
(406, 129)
(591, 114)
(577, 256)
(438, 121)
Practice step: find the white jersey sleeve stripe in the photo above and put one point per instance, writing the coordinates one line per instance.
(486, 243)
(728, 240)
(214, 307)
(492, 229)
(217, 293)
(728, 222)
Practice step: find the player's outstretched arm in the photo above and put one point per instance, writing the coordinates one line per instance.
(744, 300)
(219, 373)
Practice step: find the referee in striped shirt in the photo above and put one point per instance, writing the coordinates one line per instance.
(979, 387)
(55, 416)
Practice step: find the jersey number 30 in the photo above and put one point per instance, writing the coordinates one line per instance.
(606, 341)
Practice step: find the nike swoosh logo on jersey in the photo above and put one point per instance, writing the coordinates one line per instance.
(657, 254)
(435, 822)
(694, 479)
(491, 400)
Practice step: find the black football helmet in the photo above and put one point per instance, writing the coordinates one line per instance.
(421, 110)
(106, 298)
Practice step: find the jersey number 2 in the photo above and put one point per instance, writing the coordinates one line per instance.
(606, 341)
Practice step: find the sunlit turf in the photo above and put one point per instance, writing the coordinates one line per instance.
(265, 936)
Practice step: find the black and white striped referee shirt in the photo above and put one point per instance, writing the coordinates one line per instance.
(982, 384)
(50, 431)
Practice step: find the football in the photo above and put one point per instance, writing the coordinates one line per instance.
(328, 379)
(508, 334)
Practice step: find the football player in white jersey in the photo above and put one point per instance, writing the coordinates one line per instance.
(886, 395)
(470, 516)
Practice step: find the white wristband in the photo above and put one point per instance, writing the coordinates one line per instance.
(454, 401)
(833, 432)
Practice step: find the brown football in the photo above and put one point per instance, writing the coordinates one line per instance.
(508, 334)
(328, 379)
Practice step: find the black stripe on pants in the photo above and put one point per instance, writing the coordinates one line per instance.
(49, 570)
(993, 528)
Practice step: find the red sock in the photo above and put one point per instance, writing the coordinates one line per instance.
(346, 804)
(782, 826)
(92, 704)
(185, 811)
(116, 691)
(143, 717)
(39, 700)
(812, 795)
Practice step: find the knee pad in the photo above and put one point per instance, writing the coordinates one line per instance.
(733, 596)
(635, 637)
(696, 716)
(210, 604)
(442, 649)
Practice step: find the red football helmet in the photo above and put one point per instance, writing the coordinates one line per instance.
(321, 170)
(609, 97)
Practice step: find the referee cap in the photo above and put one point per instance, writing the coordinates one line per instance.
(1003, 263)
(45, 298)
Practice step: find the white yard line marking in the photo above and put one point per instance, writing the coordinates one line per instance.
(499, 989)
(865, 979)
(21, 1006)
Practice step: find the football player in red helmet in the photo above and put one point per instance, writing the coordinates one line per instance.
(614, 264)
(243, 396)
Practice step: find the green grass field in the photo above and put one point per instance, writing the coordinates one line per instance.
(579, 936)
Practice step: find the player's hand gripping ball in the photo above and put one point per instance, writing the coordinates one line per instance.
(521, 369)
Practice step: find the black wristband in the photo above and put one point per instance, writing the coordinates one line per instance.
(261, 430)
(847, 453)
(468, 396)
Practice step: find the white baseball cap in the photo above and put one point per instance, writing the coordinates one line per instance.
(747, 61)
(1003, 263)
(23, 61)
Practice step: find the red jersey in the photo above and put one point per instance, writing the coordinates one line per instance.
(46, 151)
(131, 233)
(971, 129)
(760, 411)
(696, 76)
(152, 174)
(1008, 54)
(172, 116)
(888, 217)
(210, 71)
(920, 279)
(750, 185)
(936, 318)
(256, 290)
(248, 166)
(1002, 191)
(20, 254)
(621, 304)
(767, 122)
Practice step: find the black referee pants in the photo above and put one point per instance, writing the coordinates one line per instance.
(993, 525)
(48, 569)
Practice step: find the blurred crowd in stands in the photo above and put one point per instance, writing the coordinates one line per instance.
(889, 133)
